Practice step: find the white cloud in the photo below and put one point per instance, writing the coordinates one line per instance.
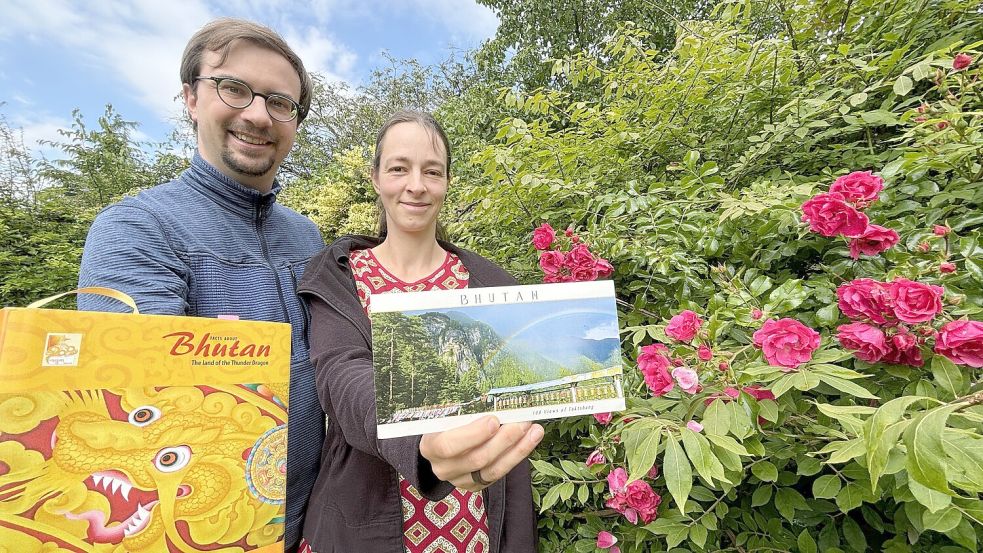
(603, 331)
(140, 43)
(35, 129)
(321, 54)
(465, 21)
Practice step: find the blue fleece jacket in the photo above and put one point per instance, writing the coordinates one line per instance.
(205, 245)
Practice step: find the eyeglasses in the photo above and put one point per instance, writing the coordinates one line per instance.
(237, 94)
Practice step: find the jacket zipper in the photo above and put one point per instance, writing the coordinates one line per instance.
(303, 307)
(262, 209)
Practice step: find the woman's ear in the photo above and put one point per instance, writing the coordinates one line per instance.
(374, 176)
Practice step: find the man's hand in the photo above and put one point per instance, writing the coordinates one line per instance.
(483, 450)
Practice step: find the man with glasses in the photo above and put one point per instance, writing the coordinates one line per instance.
(213, 241)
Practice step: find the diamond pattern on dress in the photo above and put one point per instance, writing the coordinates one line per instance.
(441, 545)
(417, 533)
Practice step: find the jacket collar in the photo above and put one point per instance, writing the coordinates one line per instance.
(226, 192)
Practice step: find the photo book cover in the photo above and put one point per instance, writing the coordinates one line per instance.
(444, 358)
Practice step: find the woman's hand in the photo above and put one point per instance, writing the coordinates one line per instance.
(474, 456)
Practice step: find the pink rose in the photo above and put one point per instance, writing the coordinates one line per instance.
(961, 61)
(605, 539)
(830, 215)
(759, 393)
(551, 262)
(543, 237)
(654, 364)
(579, 256)
(915, 302)
(687, 379)
(865, 299)
(867, 342)
(684, 326)
(694, 426)
(946, 268)
(873, 241)
(595, 458)
(961, 342)
(704, 353)
(940, 230)
(858, 186)
(786, 343)
(603, 267)
(903, 350)
(643, 499)
(603, 418)
(617, 479)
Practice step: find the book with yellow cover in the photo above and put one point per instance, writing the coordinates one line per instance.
(141, 433)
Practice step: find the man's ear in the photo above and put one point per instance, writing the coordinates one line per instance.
(190, 101)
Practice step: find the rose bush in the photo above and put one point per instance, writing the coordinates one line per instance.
(838, 173)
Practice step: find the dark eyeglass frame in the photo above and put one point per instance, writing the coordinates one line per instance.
(266, 97)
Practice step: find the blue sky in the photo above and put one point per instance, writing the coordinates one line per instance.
(57, 55)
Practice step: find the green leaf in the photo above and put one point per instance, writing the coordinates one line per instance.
(550, 499)
(783, 385)
(926, 455)
(826, 486)
(641, 447)
(678, 473)
(728, 443)
(854, 535)
(848, 387)
(942, 520)
(851, 449)
(806, 542)
(566, 491)
(768, 410)
(965, 535)
(760, 285)
(882, 432)
(835, 411)
(903, 85)
(850, 497)
(765, 471)
(804, 380)
(699, 454)
(931, 499)
(807, 466)
(948, 375)
(761, 496)
(787, 500)
(583, 494)
(545, 467)
(698, 534)
(715, 420)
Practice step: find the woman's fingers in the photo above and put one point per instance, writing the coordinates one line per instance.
(451, 444)
(501, 464)
(494, 458)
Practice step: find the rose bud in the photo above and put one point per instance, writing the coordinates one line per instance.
(940, 230)
(947, 267)
(924, 247)
(756, 314)
(961, 61)
(942, 125)
(724, 365)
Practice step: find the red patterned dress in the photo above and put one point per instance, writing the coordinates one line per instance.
(457, 523)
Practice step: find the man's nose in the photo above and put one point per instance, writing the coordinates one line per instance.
(256, 113)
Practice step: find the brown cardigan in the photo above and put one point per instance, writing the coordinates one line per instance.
(355, 506)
